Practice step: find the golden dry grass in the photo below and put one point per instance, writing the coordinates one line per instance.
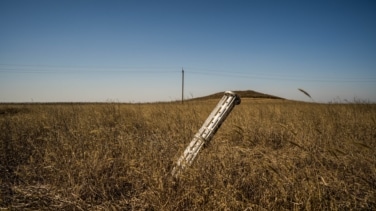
(268, 155)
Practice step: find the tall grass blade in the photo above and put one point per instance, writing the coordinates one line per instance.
(306, 93)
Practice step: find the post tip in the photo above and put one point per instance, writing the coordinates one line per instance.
(237, 98)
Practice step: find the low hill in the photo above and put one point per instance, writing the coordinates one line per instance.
(242, 94)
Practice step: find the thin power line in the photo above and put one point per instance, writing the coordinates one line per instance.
(282, 78)
(17, 70)
(23, 68)
(87, 66)
(274, 75)
(58, 69)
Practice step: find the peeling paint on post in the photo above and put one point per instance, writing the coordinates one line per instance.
(207, 131)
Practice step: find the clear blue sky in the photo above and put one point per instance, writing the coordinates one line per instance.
(133, 51)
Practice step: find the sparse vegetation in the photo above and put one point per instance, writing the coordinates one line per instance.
(269, 154)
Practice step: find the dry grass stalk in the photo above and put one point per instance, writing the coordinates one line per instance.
(268, 155)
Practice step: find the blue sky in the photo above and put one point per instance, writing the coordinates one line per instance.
(133, 51)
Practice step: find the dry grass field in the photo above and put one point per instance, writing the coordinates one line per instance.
(269, 154)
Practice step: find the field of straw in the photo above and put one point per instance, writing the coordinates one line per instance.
(268, 155)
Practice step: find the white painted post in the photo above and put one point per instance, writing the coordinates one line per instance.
(207, 131)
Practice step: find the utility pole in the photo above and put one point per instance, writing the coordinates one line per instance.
(182, 85)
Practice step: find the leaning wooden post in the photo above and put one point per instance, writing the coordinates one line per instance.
(207, 131)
